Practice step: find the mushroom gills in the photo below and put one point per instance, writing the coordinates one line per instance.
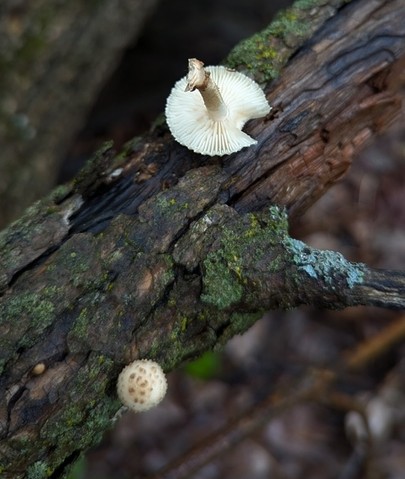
(215, 131)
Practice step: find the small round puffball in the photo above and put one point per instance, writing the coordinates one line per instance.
(141, 385)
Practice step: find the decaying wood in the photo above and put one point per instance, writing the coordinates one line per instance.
(162, 253)
(48, 51)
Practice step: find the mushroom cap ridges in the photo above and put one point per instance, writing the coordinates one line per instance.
(192, 126)
(141, 385)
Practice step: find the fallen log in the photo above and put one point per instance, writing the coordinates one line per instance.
(161, 253)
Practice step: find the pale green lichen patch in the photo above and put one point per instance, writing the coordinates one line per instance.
(38, 470)
(39, 309)
(325, 265)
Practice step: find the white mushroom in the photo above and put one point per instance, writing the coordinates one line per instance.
(207, 109)
(141, 385)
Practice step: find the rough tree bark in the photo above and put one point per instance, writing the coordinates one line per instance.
(157, 252)
(47, 51)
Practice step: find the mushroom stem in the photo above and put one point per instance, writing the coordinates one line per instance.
(201, 80)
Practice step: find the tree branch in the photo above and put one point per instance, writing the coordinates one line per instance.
(149, 253)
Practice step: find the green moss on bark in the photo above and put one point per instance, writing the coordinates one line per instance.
(223, 268)
(263, 55)
(87, 412)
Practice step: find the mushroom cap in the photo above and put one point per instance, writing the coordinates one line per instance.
(192, 126)
(141, 385)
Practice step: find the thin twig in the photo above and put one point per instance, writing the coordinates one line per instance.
(377, 345)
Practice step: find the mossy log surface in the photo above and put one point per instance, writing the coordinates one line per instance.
(161, 253)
